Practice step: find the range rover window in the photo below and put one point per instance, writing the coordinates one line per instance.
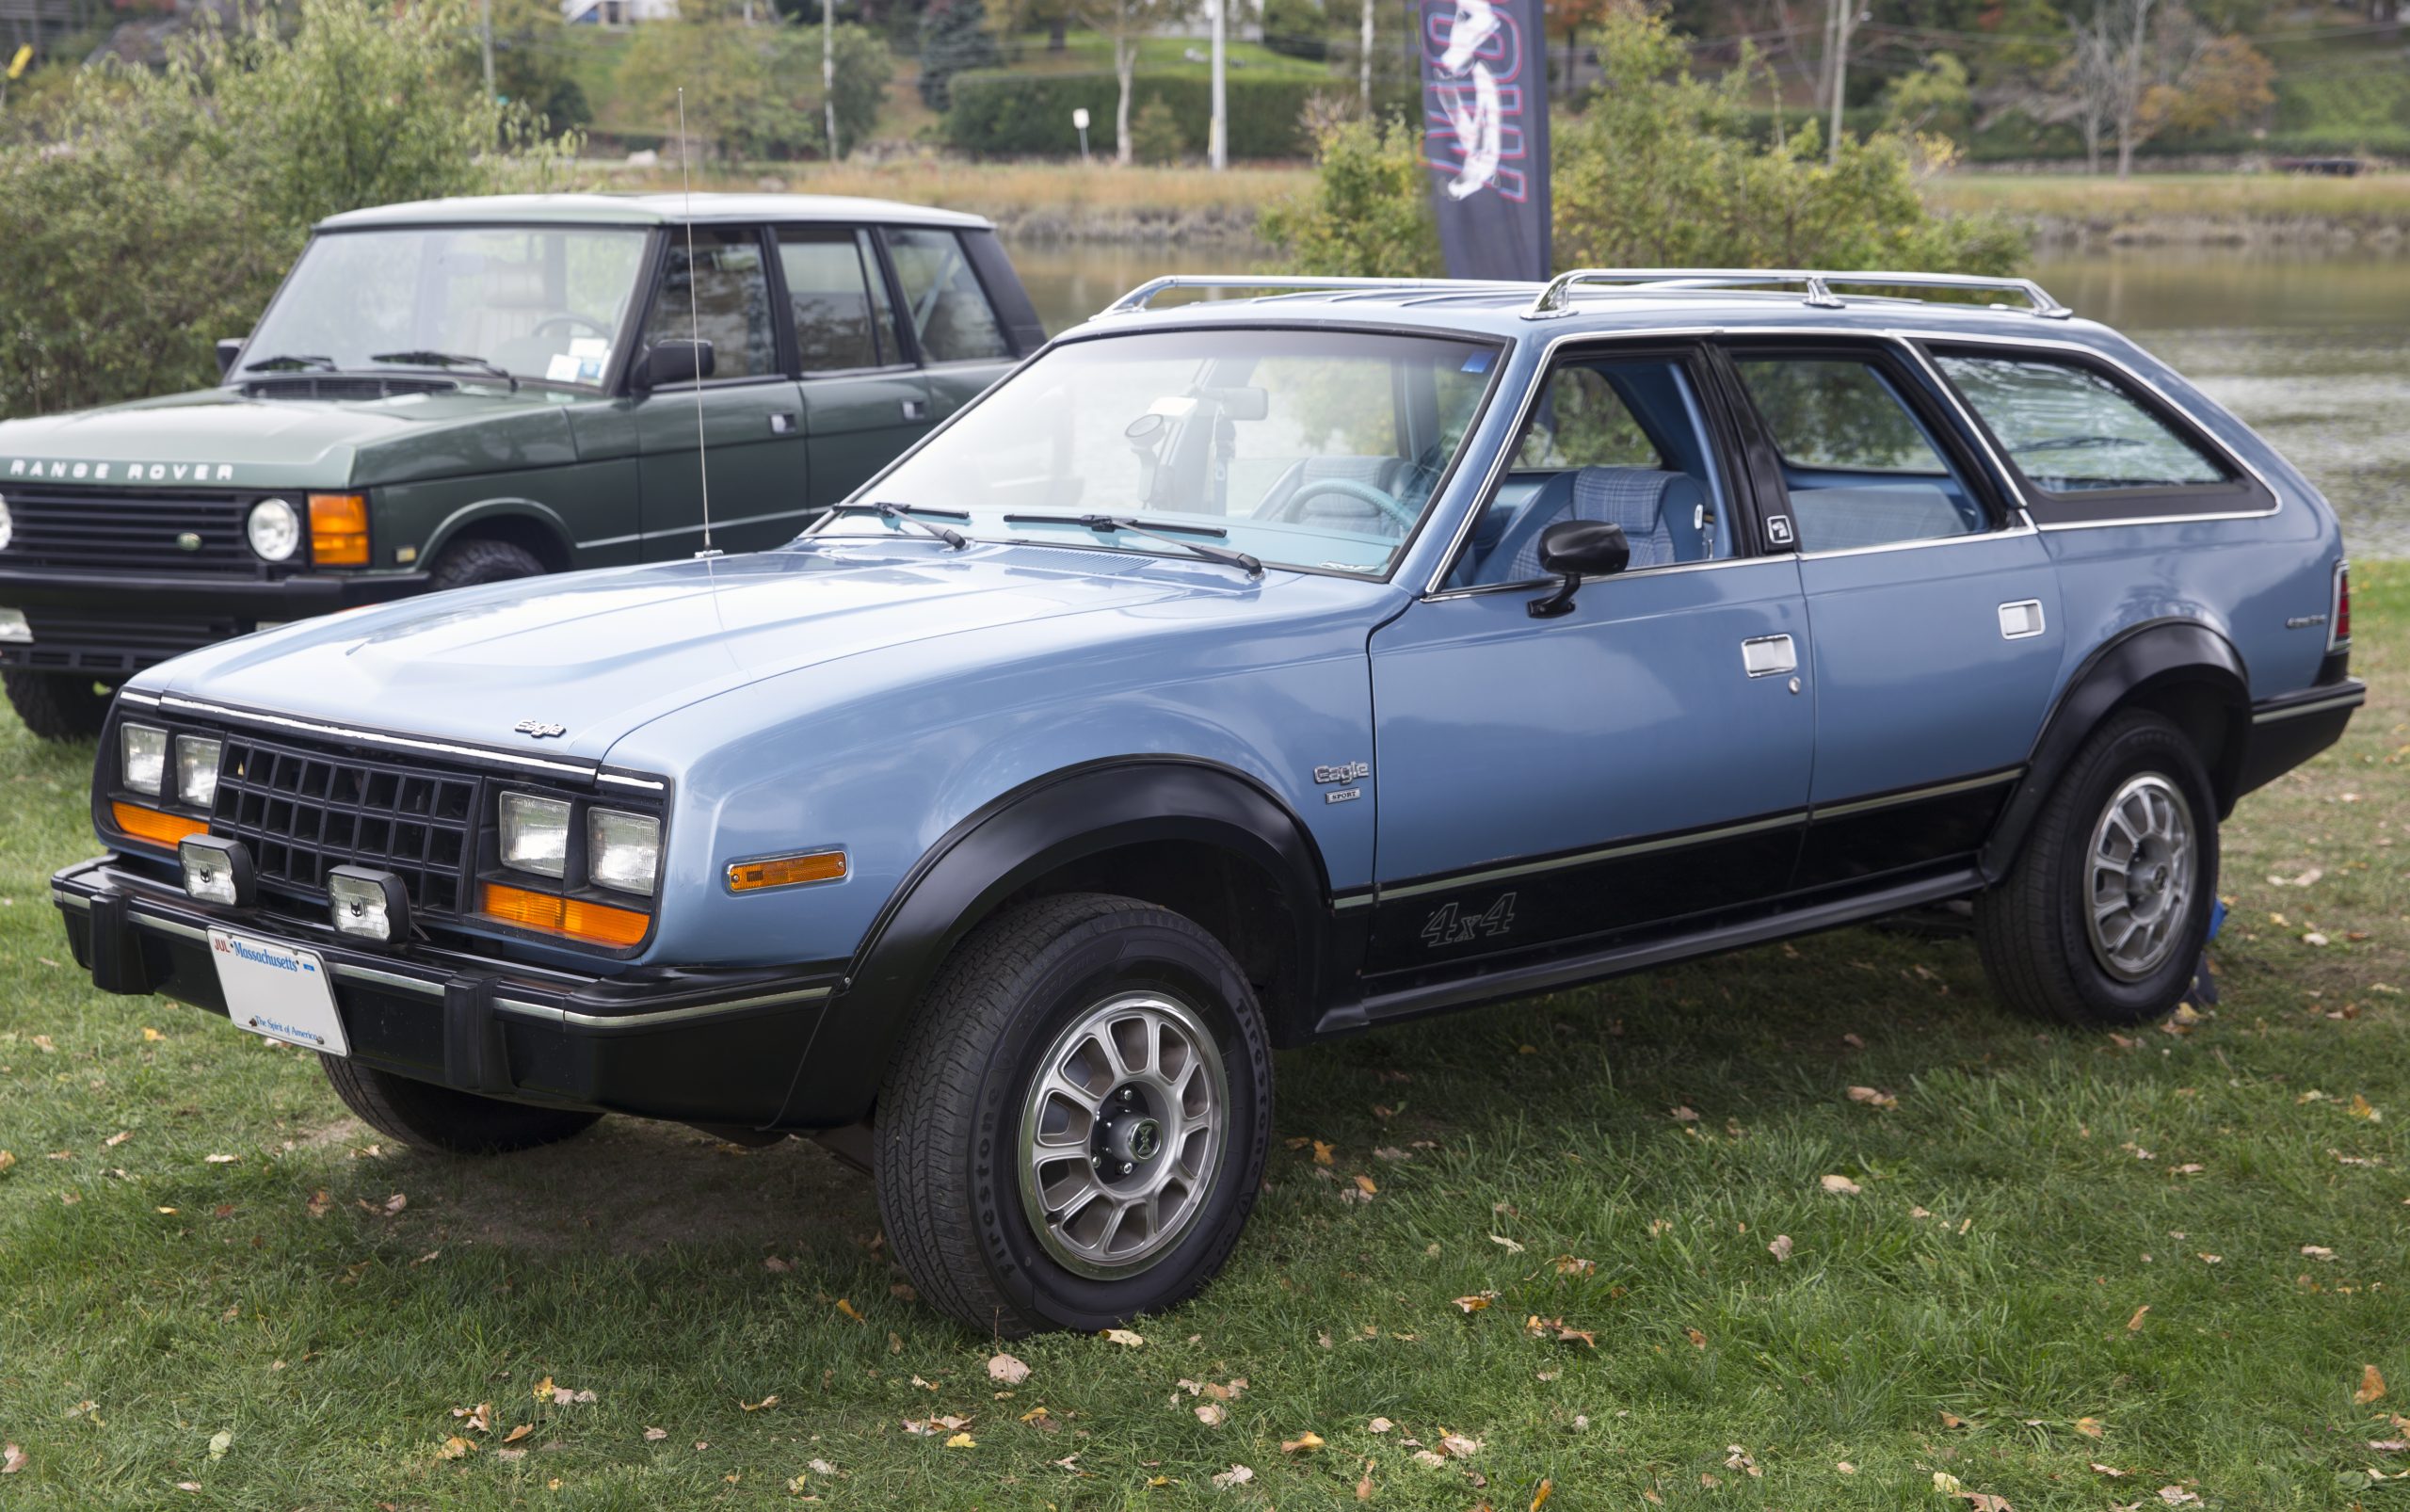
(729, 290)
(543, 303)
(2071, 428)
(949, 309)
(1859, 466)
(830, 275)
(1318, 449)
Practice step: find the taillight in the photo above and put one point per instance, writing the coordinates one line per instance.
(2339, 624)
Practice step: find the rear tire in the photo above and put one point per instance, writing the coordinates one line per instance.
(425, 1117)
(58, 705)
(2101, 920)
(1094, 1058)
(472, 562)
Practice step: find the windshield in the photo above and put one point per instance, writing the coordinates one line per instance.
(1304, 448)
(539, 302)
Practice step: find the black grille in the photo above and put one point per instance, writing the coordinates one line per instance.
(313, 387)
(127, 531)
(302, 810)
(110, 644)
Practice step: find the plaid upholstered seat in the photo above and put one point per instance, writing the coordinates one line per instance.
(1639, 499)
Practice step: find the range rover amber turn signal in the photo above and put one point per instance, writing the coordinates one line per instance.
(339, 529)
(166, 830)
(597, 923)
(786, 871)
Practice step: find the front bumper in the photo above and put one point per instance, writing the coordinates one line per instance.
(700, 1046)
(114, 624)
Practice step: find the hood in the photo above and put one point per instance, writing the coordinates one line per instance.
(599, 653)
(220, 438)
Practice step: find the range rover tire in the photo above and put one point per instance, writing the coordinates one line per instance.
(2101, 920)
(1073, 1128)
(472, 562)
(56, 705)
(425, 1117)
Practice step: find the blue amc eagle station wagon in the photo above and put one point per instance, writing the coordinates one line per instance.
(1239, 673)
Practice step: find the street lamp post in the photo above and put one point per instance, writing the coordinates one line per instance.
(1218, 139)
(1080, 119)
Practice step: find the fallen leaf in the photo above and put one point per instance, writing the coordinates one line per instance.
(769, 1401)
(2318, 1252)
(517, 1433)
(1122, 1337)
(1575, 1266)
(1004, 1368)
(219, 1443)
(1212, 1413)
(1477, 1301)
(1458, 1446)
(6, 1160)
(1380, 1425)
(150, 1035)
(1845, 1467)
(2177, 1495)
(13, 1459)
(1540, 1497)
(1322, 1154)
(775, 1265)
(1301, 1444)
(510, 1455)
(1685, 1116)
(1699, 1340)
(1872, 1098)
(1364, 1184)
(2389, 1446)
(1840, 1185)
(962, 1441)
(2134, 1324)
(848, 1309)
(319, 1204)
(1511, 1247)
(655, 1435)
(2371, 1385)
(1236, 1475)
(1780, 1248)
(1946, 1483)
(1952, 1420)
(118, 1138)
(1429, 1458)
(396, 1203)
(2109, 1471)
(544, 1389)
(454, 1447)
(221, 1160)
(2089, 1427)
(2359, 1109)
(480, 1417)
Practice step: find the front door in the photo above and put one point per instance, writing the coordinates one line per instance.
(1934, 605)
(751, 463)
(1643, 758)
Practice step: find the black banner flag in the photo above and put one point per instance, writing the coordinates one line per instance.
(1485, 131)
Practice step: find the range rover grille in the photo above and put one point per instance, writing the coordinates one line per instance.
(300, 811)
(129, 531)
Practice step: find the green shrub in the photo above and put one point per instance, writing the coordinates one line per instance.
(1155, 136)
(1300, 28)
(1369, 213)
(1023, 115)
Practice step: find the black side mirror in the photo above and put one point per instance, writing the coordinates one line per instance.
(675, 361)
(1576, 549)
(229, 347)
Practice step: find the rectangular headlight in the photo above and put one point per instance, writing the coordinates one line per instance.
(142, 757)
(623, 850)
(366, 903)
(197, 769)
(216, 870)
(534, 834)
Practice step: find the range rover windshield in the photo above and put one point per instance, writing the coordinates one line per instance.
(540, 303)
(1316, 449)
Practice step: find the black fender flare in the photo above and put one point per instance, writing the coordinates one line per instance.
(1012, 841)
(2143, 661)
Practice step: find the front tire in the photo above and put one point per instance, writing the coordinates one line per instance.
(472, 562)
(58, 705)
(425, 1117)
(2104, 914)
(1074, 1127)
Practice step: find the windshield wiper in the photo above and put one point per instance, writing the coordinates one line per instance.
(1155, 530)
(324, 365)
(913, 514)
(419, 358)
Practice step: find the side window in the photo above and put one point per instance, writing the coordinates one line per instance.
(949, 311)
(831, 273)
(725, 292)
(1859, 466)
(2072, 430)
(1621, 440)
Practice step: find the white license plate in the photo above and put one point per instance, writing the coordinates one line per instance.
(278, 991)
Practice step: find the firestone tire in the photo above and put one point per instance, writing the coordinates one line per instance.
(56, 705)
(2101, 920)
(425, 1117)
(1006, 1105)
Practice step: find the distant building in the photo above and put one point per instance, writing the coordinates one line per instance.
(617, 13)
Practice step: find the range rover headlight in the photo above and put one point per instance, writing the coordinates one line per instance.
(623, 850)
(534, 834)
(141, 757)
(7, 524)
(197, 769)
(275, 529)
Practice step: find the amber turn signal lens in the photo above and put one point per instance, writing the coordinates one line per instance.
(786, 871)
(597, 923)
(166, 830)
(339, 529)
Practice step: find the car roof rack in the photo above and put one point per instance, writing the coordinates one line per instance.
(1139, 297)
(1557, 298)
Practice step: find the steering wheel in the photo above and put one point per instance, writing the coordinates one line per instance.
(1348, 487)
(595, 326)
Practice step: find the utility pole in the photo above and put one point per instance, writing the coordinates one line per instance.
(1843, 15)
(1217, 137)
(828, 69)
(1364, 65)
(485, 33)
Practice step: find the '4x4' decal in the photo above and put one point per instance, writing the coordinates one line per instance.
(1453, 925)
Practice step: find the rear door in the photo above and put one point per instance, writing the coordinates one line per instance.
(950, 318)
(1933, 605)
(864, 398)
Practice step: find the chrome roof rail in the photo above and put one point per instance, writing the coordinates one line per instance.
(1557, 298)
(1138, 298)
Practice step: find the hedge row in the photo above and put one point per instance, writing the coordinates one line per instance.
(1003, 114)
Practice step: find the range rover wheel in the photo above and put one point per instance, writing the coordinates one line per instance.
(425, 1117)
(2103, 917)
(1073, 1128)
(58, 705)
(472, 562)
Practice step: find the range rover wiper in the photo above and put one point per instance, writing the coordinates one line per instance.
(420, 359)
(1161, 530)
(913, 514)
(323, 365)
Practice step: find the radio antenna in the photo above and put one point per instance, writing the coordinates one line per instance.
(694, 328)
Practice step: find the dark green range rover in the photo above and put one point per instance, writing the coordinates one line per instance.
(468, 390)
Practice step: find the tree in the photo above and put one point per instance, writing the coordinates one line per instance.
(1567, 20)
(531, 52)
(2140, 67)
(1935, 97)
(147, 213)
(953, 39)
(764, 97)
(1126, 23)
(1369, 212)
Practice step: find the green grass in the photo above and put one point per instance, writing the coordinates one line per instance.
(2007, 1232)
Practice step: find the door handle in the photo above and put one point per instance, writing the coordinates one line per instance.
(782, 422)
(916, 410)
(2020, 620)
(1769, 656)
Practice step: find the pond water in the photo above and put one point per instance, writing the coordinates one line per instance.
(2313, 351)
